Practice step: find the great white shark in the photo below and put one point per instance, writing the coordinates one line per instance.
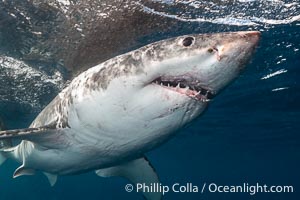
(112, 114)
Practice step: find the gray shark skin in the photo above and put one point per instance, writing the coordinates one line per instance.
(112, 114)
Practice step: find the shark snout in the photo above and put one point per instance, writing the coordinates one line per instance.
(248, 46)
(232, 52)
(246, 40)
(252, 36)
(236, 45)
(240, 48)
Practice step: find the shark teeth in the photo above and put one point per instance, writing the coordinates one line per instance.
(192, 89)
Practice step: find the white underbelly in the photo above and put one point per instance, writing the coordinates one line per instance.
(81, 152)
(82, 147)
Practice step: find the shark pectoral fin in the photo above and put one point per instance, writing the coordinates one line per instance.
(21, 171)
(51, 178)
(138, 171)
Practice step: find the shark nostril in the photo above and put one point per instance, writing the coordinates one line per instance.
(210, 50)
(213, 49)
(216, 51)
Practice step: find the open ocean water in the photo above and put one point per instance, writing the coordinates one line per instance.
(249, 134)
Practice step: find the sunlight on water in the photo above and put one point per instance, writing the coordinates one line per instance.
(279, 89)
(24, 84)
(274, 74)
(241, 13)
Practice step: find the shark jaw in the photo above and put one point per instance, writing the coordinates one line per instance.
(192, 89)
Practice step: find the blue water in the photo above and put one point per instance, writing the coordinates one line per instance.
(249, 134)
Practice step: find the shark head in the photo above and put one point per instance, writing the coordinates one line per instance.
(150, 92)
(198, 66)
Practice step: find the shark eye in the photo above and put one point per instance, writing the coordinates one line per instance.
(188, 41)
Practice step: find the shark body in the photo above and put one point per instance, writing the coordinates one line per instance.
(112, 114)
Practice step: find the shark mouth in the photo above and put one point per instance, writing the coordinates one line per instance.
(190, 88)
